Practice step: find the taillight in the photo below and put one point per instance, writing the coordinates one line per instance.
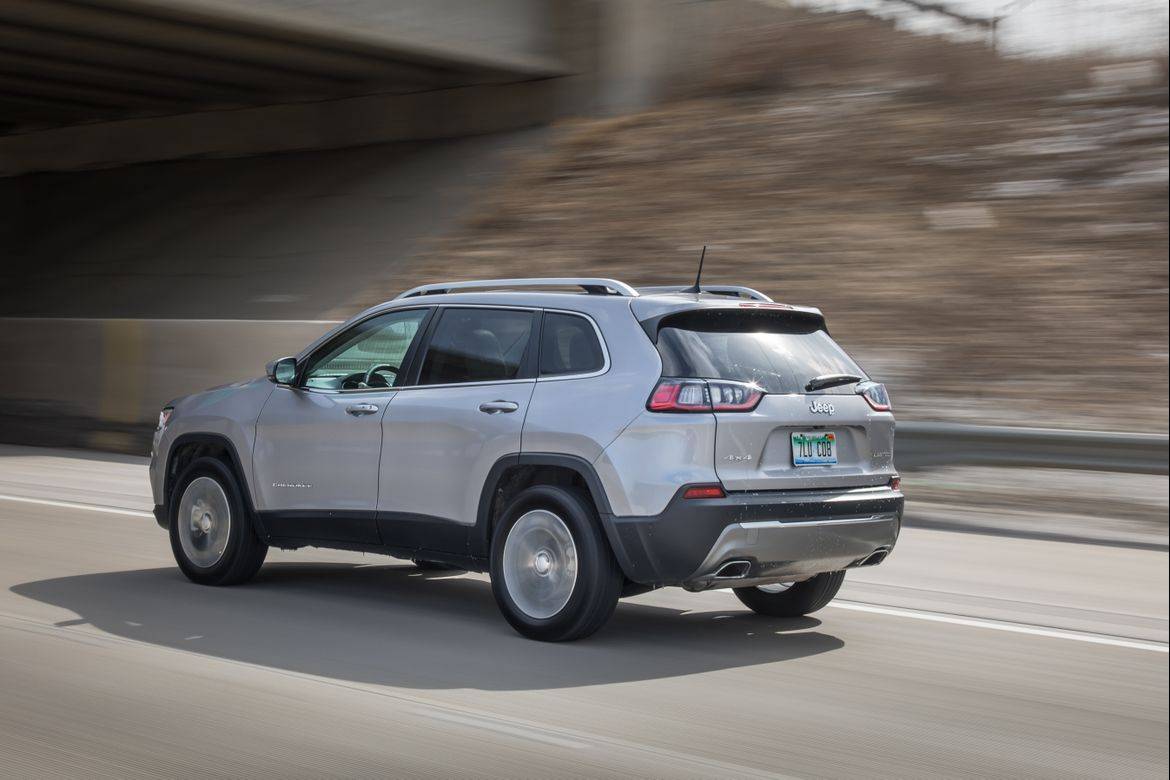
(680, 395)
(705, 491)
(734, 396)
(875, 395)
(704, 395)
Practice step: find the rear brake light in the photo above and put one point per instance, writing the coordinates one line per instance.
(705, 491)
(680, 395)
(704, 395)
(875, 395)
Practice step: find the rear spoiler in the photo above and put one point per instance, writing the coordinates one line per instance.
(733, 316)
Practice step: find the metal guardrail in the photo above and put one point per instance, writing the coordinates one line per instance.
(926, 444)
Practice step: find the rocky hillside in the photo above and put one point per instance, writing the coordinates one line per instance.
(989, 236)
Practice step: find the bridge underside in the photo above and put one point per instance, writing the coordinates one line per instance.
(67, 62)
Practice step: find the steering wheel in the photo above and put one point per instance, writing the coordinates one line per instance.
(369, 377)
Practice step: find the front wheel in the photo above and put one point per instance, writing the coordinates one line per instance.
(553, 574)
(212, 536)
(792, 599)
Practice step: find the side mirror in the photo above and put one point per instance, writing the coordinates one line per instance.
(282, 371)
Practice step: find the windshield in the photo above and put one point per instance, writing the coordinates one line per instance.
(768, 354)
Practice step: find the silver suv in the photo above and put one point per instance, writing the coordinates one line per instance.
(579, 446)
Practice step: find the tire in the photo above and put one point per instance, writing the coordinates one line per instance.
(547, 528)
(801, 598)
(208, 555)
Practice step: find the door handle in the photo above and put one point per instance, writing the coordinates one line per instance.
(495, 407)
(357, 410)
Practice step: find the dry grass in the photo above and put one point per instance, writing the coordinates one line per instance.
(988, 235)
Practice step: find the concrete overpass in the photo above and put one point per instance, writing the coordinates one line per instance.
(69, 61)
(167, 166)
(96, 83)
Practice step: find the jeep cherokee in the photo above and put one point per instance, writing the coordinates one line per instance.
(577, 445)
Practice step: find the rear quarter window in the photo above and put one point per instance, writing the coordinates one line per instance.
(568, 345)
(779, 353)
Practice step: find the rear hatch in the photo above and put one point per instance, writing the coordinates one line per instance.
(794, 438)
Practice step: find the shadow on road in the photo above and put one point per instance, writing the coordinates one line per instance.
(394, 625)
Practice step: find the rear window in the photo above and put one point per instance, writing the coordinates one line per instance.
(779, 353)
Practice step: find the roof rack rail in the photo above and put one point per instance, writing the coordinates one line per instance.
(733, 290)
(593, 286)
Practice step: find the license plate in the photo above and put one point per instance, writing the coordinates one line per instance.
(817, 448)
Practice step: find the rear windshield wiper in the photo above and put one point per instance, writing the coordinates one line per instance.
(830, 380)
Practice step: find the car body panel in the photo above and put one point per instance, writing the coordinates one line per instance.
(644, 466)
(229, 411)
(782, 535)
(753, 450)
(439, 447)
(580, 415)
(313, 453)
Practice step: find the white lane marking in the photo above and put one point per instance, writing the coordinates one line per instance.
(109, 510)
(995, 625)
(1016, 628)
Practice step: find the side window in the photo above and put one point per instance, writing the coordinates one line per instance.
(477, 345)
(368, 355)
(568, 345)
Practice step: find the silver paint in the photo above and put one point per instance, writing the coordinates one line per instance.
(428, 450)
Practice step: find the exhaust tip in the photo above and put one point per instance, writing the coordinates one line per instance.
(874, 558)
(733, 570)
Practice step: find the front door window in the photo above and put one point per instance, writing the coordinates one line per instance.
(368, 356)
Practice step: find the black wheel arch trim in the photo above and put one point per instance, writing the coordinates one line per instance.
(481, 542)
(217, 439)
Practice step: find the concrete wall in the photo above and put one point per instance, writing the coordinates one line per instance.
(100, 383)
(331, 124)
(270, 237)
(656, 50)
(506, 27)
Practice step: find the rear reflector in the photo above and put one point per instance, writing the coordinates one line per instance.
(896, 483)
(703, 395)
(705, 491)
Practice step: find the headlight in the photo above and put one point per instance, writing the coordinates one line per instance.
(164, 417)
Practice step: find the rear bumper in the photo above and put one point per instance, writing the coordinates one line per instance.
(769, 536)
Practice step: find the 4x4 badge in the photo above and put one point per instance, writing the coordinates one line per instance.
(821, 407)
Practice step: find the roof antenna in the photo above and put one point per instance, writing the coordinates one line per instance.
(699, 275)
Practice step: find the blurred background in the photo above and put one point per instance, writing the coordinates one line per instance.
(973, 191)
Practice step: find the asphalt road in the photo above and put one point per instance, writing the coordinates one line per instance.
(962, 655)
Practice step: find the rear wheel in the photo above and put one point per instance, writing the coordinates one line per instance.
(553, 574)
(792, 599)
(212, 536)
